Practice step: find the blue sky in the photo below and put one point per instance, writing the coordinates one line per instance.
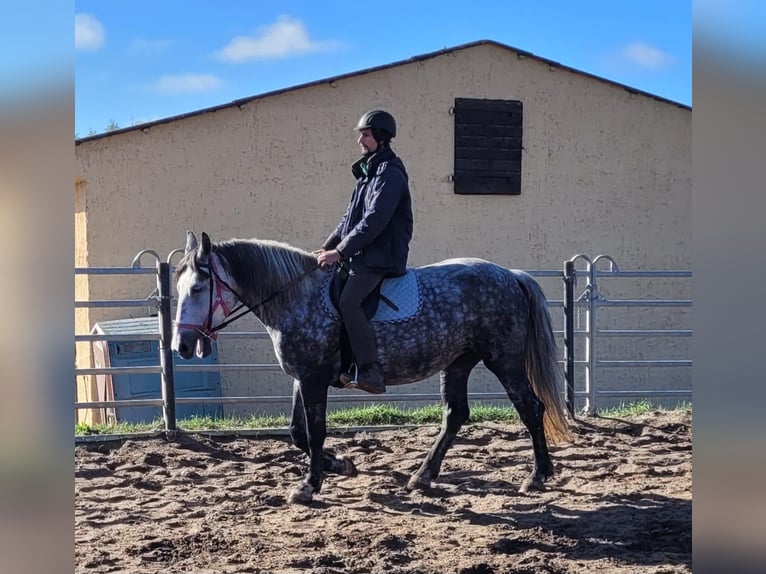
(145, 60)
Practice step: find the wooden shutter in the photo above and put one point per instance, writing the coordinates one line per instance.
(488, 137)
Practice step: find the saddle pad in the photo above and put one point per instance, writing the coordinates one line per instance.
(404, 292)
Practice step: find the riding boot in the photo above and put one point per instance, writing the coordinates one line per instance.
(369, 378)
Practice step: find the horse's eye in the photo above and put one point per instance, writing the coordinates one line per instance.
(196, 289)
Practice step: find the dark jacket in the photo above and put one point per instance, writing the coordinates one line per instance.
(375, 231)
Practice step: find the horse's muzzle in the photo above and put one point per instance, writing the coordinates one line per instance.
(188, 343)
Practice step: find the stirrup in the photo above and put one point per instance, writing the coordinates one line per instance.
(347, 381)
(366, 385)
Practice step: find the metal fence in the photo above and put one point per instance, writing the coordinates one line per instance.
(573, 308)
(589, 302)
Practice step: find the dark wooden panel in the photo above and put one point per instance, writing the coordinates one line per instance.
(494, 152)
(489, 131)
(488, 117)
(487, 186)
(487, 142)
(487, 165)
(483, 174)
(488, 145)
(487, 104)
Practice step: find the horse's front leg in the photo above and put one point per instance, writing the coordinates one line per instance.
(299, 434)
(313, 395)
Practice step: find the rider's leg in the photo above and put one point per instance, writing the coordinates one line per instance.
(361, 337)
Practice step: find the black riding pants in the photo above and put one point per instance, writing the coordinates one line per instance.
(357, 288)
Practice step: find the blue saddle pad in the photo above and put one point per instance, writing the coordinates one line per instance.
(404, 292)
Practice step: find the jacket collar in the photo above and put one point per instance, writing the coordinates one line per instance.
(372, 161)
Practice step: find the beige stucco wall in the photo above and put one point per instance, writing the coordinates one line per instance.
(604, 171)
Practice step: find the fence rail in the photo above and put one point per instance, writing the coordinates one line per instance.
(586, 304)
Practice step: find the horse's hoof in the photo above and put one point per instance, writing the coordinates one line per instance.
(345, 467)
(418, 483)
(303, 494)
(533, 483)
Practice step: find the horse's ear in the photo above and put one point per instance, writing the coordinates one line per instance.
(205, 246)
(191, 242)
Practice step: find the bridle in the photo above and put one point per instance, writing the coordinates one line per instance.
(217, 285)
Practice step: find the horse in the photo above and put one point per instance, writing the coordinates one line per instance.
(469, 310)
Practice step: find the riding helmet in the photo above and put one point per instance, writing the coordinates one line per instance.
(378, 120)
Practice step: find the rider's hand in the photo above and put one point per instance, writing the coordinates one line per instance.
(326, 258)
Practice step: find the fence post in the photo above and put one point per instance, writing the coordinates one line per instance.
(590, 339)
(569, 340)
(166, 353)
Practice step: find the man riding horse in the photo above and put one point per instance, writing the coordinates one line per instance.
(371, 240)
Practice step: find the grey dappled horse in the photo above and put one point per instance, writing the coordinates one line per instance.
(472, 310)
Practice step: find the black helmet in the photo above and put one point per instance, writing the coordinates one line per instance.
(378, 119)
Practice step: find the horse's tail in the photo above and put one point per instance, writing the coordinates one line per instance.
(541, 362)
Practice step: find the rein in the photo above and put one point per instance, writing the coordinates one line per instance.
(206, 329)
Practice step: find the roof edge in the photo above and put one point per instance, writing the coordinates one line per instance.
(419, 58)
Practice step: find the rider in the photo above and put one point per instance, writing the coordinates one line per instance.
(372, 239)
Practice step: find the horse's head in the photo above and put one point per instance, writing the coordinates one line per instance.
(204, 298)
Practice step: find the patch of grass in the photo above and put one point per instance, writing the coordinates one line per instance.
(378, 414)
(119, 428)
(368, 415)
(386, 414)
(198, 423)
(641, 407)
(193, 423)
(493, 414)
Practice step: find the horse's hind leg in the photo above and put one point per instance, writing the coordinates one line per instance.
(337, 465)
(512, 374)
(454, 391)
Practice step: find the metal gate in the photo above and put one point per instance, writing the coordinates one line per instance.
(585, 309)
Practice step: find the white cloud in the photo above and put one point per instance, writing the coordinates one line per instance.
(187, 83)
(88, 33)
(285, 37)
(646, 56)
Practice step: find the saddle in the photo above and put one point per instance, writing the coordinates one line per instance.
(369, 306)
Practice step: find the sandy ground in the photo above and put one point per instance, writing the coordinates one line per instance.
(622, 502)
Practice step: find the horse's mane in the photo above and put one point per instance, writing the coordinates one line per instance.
(260, 267)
